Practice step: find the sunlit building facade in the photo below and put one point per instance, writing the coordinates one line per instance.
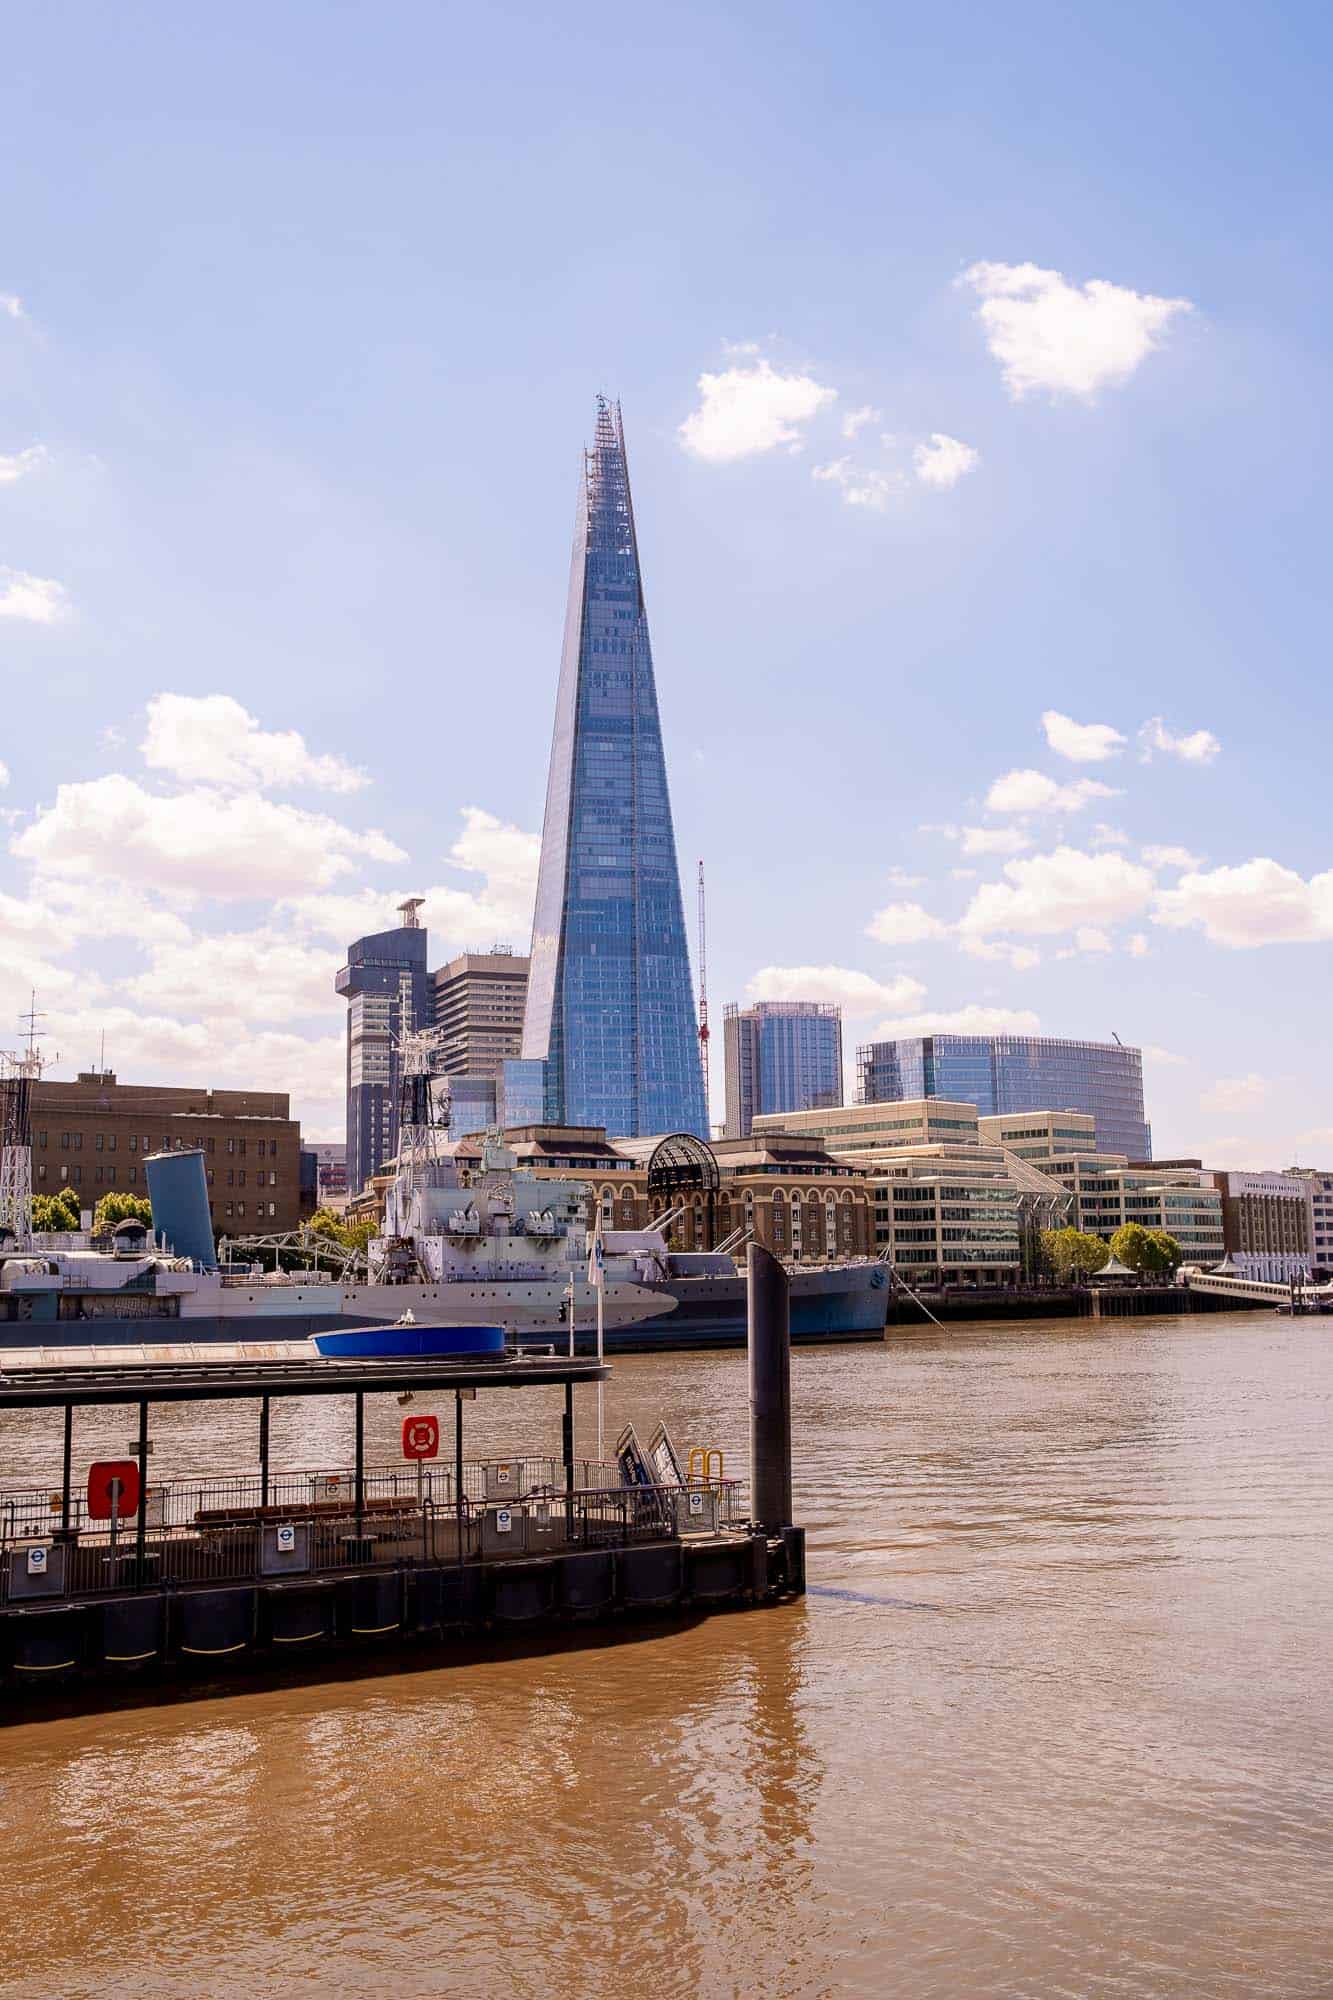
(781, 1055)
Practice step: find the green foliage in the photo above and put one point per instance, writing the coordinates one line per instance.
(1070, 1250)
(348, 1235)
(55, 1212)
(121, 1206)
(1151, 1252)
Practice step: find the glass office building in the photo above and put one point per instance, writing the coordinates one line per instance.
(1004, 1073)
(782, 1055)
(610, 1009)
(388, 993)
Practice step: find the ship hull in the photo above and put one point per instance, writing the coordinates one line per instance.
(850, 1303)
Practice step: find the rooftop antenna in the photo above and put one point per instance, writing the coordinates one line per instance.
(18, 1074)
(703, 997)
(1116, 1039)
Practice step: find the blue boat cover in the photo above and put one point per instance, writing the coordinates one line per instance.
(392, 1343)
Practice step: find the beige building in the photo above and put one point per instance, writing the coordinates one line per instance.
(92, 1135)
(477, 1002)
(1266, 1219)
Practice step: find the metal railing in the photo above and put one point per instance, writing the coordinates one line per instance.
(222, 1530)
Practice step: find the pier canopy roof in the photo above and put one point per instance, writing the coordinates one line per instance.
(33, 1378)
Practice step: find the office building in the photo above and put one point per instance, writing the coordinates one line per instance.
(1318, 1186)
(93, 1135)
(1006, 1073)
(387, 991)
(781, 1055)
(1266, 1221)
(610, 1009)
(477, 1007)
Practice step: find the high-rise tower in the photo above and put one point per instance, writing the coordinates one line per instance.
(610, 1008)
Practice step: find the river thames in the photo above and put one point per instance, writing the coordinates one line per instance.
(1053, 1721)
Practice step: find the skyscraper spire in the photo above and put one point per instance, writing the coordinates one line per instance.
(609, 1006)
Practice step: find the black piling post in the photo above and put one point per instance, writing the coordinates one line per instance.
(458, 1467)
(66, 1475)
(769, 1336)
(263, 1450)
(567, 1439)
(143, 1495)
(360, 1474)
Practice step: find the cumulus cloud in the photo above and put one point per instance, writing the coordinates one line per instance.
(1138, 946)
(195, 843)
(4, 775)
(856, 420)
(15, 465)
(904, 923)
(860, 486)
(745, 411)
(1046, 894)
(973, 1020)
(1067, 339)
(1170, 857)
(993, 840)
(1200, 746)
(943, 462)
(211, 740)
(1080, 742)
(1103, 835)
(497, 910)
(1034, 792)
(11, 305)
(260, 975)
(840, 984)
(1259, 902)
(1019, 957)
(1235, 1093)
(39, 599)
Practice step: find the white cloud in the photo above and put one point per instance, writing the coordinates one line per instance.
(14, 465)
(993, 840)
(1048, 334)
(845, 987)
(254, 976)
(1080, 742)
(898, 878)
(1046, 894)
(4, 775)
(856, 420)
(744, 411)
(195, 843)
(211, 740)
(1019, 957)
(39, 599)
(1103, 835)
(961, 1021)
(1170, 857)
(1259, 902)
(1138, 946)
(1088, 938)
(1034, 792)
(12, 305)
(1164, 1058)
(860, 486)
(1235, 1093)
(1199, 747)
(904, 923)
(944, 460)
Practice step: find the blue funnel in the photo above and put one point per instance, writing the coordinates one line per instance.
(178, 1191)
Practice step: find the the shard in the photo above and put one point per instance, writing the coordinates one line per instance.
(610, 1009)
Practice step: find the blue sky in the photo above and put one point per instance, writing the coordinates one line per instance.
(975, 370)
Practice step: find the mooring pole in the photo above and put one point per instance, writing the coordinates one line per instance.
(360, 1469)
(263, 1450)
(567, 1440)
(67, 1472)
(143, 1495)
(458, 1467)
(769, 1335)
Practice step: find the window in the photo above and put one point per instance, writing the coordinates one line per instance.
(273, 1208)
(41, 1171)
(231, 1177)
(78, 1142)
(64, 1173)
(76, 1175)
(231, 1145)
(98, 1142)
(147, 1145)
(134, 1142)
(211, 1142)
(134, 1175)
(64, 1142)
(210, 1177)
(229, 1208)
(99, 1170)
(240, 1208)
(41, 1140)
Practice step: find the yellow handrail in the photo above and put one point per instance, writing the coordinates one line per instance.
(700, 1466)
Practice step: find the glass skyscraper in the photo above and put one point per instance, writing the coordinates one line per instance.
(782, 1055)
(1006, 1073)
(610, 1008)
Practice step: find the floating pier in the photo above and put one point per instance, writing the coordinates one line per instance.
(112, 1580)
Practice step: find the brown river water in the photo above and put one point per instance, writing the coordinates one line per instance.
(1053, 1721)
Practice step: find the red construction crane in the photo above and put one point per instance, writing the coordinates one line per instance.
(703, 998)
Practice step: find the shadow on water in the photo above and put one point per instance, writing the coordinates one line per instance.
(871, 1597)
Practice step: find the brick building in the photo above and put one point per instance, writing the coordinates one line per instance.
(92, 1135)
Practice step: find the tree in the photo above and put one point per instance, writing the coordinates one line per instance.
(56, 1212)
(352, 1235)
(1150, 1252)
(121, 1206)
(1070, 1250)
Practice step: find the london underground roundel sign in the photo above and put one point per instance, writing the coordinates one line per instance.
(421, 1437)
